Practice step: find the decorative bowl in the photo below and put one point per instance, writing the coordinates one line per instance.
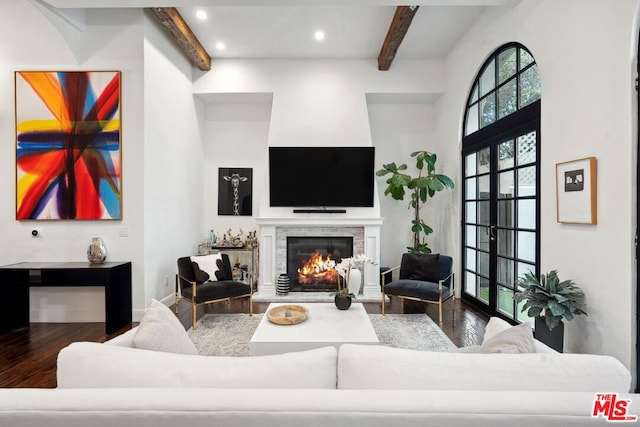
(288, 314)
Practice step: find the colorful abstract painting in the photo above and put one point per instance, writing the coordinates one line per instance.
(68, 153)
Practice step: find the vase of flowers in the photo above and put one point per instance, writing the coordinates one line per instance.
(355, 280)
(350, 278)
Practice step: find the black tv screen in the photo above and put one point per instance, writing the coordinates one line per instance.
(321, 176)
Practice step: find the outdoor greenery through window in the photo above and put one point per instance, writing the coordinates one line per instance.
(508, 82)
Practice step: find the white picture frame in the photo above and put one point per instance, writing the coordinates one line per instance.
(576, 191)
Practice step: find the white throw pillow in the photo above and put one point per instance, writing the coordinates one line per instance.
(497, 325)
(94, 365)
(208, 264)
(516, 339)
(160, 330)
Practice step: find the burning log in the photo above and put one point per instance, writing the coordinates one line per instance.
(318, 269)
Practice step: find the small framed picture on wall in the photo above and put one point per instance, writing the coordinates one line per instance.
(576, 191)
(235, 191)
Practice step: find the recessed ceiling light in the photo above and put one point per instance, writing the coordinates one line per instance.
(319, 35)
(220, 46)
(201, 15)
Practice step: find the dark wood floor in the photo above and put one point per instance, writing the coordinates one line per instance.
(28, 355)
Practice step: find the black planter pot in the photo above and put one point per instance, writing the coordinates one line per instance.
(342, 302)
(553, 338)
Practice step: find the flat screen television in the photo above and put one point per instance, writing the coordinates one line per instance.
(321, 176)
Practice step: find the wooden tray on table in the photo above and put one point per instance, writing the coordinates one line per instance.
(288, 314)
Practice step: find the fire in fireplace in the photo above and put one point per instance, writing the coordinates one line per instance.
(311, 261)
(318, 268)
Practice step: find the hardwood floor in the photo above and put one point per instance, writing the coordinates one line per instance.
(28, 355)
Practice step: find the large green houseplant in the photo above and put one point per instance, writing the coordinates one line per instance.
(550, 299)
(420, 187)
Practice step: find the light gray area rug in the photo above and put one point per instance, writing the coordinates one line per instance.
(229, 334)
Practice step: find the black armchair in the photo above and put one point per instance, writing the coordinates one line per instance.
(423, 277)
(198, 287)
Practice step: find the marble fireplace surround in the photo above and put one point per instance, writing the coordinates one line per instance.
(273, 233)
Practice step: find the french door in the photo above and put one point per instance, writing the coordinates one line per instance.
(500, 239)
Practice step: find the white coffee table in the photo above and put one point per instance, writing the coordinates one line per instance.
(325, 326)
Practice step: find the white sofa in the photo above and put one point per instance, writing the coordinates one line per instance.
(114, 384)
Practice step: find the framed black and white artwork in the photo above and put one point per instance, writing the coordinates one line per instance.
(576, 191)
(235, 191)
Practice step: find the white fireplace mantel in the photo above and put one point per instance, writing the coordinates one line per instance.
(270, 226)
(319, 221)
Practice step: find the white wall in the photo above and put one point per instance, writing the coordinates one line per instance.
(316, 103)
(397, 131)
(302, 116)
(173, 166)
(162, 152)
(105, 44)
(585, 51)
(236, 133)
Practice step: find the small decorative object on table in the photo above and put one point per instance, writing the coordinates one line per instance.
(97, 251)
(288, 314)
(283, 284)
(215, 241)
(343, 302)
(349, 284)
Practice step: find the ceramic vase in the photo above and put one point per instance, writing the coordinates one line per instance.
(342, 302)
(97, 251)
(355, 279)
(283, 284)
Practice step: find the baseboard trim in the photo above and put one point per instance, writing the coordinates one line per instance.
(66, 316)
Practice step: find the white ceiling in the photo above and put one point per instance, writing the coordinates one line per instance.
(350, 31)
(285, 28)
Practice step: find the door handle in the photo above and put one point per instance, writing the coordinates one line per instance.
(492, 232)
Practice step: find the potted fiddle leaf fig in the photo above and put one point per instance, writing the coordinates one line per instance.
(550, 301)
(421, 187)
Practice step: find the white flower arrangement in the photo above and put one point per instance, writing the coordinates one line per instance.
(344, 268)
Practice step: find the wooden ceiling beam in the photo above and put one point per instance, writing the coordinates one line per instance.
(172, 21)
(397, 30)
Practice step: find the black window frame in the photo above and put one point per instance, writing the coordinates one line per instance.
(524, 118)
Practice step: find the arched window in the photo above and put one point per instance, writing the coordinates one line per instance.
(508, 81)
(500, 157)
